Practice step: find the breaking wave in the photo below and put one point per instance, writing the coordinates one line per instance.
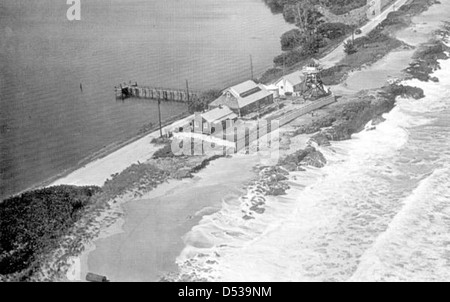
(378, 211)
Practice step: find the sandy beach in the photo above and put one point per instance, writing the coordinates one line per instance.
(145, 242)
(154, 224)
(98, 171)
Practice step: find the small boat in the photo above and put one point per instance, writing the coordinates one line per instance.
(91, 277)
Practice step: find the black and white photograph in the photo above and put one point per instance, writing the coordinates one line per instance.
(216, 141)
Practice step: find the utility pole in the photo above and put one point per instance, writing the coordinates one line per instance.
(251, 66)
(187, 90)
(159, 113)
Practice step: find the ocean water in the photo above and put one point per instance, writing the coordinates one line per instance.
(47, 124)
(379, 211)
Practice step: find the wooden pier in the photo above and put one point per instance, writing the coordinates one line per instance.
(153, 93)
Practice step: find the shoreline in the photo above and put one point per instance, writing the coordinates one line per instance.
(143, 219)
(265, 181)
(117, 146)
(103, 153)
(318, 136)
(255, 207)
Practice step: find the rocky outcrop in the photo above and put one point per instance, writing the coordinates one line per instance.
(272, 180)
(314, 159)
(320, 139)
(316, 125)
(352, 116)
(395, 90)
(307, 157)
(427, 61)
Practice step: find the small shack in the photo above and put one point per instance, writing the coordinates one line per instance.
(212, 120)
(290, 84)
(272, 88)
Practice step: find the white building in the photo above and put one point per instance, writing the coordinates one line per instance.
(290, 84)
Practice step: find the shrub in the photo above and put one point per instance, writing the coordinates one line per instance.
(276, 6)
(165, 151)
(333, 30)
(32, 224)
(137, 176)
(289, 58)
(349, 47)
(334, 75)
(340, 7)
(289, 14)
(201, 103)
(291, 39)
(270, 75)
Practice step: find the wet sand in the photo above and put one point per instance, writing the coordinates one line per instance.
(154, 225)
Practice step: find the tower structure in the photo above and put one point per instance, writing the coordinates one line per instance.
(312, 87)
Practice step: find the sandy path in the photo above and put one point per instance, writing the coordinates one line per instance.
(338, 53)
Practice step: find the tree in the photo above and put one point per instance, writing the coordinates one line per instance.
(276, 6)
(349, 47)
(290, 58)
(291, 39)
(201, 103)
(308, 19)
(333, 30)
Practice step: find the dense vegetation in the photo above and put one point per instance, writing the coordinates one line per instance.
(349, 47)
(291, 39)
(337, 7)
(312, 35)
(340, 7)
(201, 104)
(137, 176)
(333, 31)
(270, 74)
(322, 34)
(299, 47)
(31, 224)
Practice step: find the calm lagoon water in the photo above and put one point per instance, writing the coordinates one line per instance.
(47, 124)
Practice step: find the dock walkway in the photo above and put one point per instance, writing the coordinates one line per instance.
(155, 93)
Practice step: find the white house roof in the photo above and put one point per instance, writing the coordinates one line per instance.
(244, 87)
(294, 78)
(271, 87)
(218, 114)
(242, 95)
